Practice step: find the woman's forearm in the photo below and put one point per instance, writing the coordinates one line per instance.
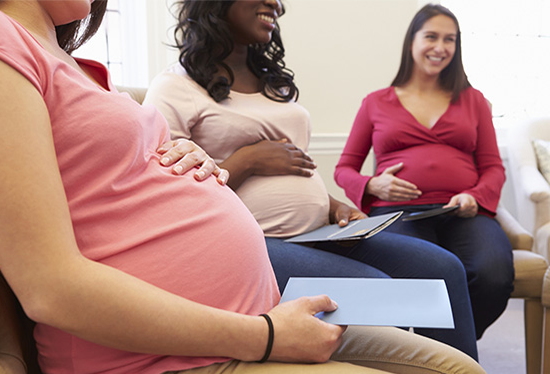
(240, 166)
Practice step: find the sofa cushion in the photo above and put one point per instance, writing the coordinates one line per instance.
(542, 152)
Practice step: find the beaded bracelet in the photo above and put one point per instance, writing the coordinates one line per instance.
(269, 338)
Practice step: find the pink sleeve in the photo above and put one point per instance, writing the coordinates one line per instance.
(21, 52)
(487, 158)
(347, 174)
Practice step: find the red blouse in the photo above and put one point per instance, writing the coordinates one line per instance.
(459, 154)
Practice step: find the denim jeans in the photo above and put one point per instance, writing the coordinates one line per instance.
(384, 255)
(481, 246)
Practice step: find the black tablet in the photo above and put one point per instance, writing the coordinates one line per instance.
(429, 213)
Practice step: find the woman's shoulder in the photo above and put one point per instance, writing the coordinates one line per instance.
(380, 94)
(472, 94)
(174, 84)
(176, 76)
(473, 97)
(20, 50)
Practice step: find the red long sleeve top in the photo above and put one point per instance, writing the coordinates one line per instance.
(459, 154)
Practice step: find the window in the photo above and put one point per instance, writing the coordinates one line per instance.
(131, 41)
(105, 46)
(506, 50)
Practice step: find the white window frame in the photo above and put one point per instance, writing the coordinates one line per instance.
(144, 35)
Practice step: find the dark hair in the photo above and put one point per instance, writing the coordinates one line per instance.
(204, 40)
(453, 78)
(74, 34)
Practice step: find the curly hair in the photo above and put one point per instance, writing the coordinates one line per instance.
(204, 41)
(453, 78)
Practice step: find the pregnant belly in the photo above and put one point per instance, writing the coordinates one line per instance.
(286, 205)
(434, 169)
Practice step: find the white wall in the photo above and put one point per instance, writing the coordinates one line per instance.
(340, 50)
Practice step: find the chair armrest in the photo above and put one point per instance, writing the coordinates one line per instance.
(136, 93)
(546, 289)
(519, 237)
(534, 184)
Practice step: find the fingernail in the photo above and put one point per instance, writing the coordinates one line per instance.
(164, 160)
(200, 174)
(178, 169)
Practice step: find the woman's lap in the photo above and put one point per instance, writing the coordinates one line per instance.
(295, 260)
(482, 247)
(398, 256)
(367, 350)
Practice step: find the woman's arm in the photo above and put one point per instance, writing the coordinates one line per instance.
(58, 286)
(487, 158)
(348, 170)
(267, 157)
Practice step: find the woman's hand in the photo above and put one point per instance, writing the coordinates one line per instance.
(279, 157)
(299, 335)
(467, 205)
(267, 157)
(184, 155)
(342, 213)
(388, 187)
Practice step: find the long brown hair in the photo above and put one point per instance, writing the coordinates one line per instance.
(74, 34)
(453, 78)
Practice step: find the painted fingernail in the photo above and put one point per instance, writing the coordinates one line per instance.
(178, 169)
(164, 160)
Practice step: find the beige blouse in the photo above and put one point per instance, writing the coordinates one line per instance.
(284, 205)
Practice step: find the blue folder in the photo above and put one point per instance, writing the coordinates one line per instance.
(379, 302)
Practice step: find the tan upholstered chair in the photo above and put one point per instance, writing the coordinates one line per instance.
(529, 274)
(531, 189)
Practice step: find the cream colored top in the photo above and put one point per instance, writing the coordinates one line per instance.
(284, 205)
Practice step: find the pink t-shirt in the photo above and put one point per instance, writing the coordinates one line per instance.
(459, 154)
(196, 240)
(283, 205)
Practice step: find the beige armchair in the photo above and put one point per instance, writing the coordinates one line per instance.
(532, 191)
(530, 269)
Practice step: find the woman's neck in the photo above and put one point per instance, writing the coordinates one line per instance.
(34, 19)
(423, 83)
(245, 80)
(237, 59)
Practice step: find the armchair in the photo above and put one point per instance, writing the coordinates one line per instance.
(532, 191)
(530, 269)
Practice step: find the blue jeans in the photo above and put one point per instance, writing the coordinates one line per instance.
(481, 246)
(384, 255)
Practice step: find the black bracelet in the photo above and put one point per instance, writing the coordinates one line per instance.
(269, 338)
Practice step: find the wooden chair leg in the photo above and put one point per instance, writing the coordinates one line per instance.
(533, 335)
